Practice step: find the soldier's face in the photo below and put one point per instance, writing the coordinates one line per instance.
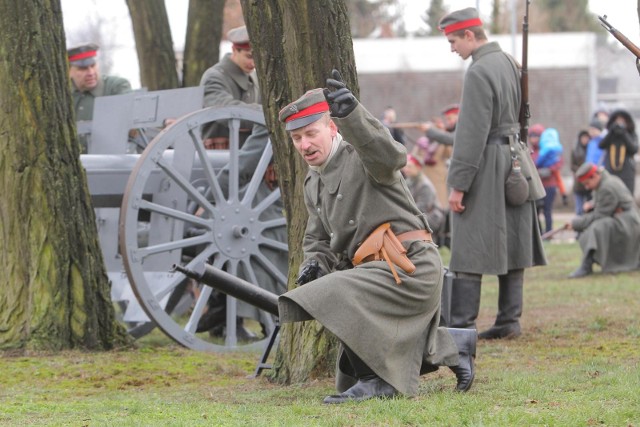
(244, 59)
(462, 45)
(314, 141)
(85, 78)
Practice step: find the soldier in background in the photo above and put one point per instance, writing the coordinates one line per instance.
(232, 81)
(609, 230)
(488, 235)
(87, 84)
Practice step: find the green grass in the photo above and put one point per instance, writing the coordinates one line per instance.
(577, 364)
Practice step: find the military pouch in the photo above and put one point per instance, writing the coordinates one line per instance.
(520, 152)
(383, 244)
(516, 187)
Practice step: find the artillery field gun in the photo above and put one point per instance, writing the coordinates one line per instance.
(178, 203)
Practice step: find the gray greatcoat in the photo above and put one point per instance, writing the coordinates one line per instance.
(225, 84)
(392, 328)
(489, 237)
(83, 102)
(612, 228)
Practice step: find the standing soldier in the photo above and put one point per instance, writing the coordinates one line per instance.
(489, 236)
(232, 81)
(87, 84)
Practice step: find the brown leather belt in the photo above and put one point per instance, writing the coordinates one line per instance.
(415, 235)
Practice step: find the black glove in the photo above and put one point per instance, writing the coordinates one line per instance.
(311, 271)
(340, 99)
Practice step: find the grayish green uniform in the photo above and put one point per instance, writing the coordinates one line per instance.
(489, 237)
(83, 101)
(612, 228)
(392, 328)
(225, 84)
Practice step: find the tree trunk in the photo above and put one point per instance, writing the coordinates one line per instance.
(296, 44)
(202, 44)
(154, 44)
(55, 293)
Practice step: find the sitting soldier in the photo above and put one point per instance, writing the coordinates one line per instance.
(609, 230)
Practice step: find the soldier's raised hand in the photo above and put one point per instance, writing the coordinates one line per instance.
(340, 99)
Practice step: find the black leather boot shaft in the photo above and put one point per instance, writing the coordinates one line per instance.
(510, 301)
(465, 371)
(465, 302)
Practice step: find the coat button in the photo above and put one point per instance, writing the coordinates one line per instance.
(351, 222)
(339, 197)
(331, 235)
(318, 210)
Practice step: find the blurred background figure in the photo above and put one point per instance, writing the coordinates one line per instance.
(87, 84)
(389, 118)
(547, 154)
(578, 155)
(619, 145)
(424, 194)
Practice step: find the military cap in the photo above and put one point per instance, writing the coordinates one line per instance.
(451, 109)
(82, 55)
(305, 110)
(413, 159)
(586, 171)
(460, 20)
(239, 37)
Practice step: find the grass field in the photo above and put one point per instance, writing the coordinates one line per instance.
(577, 364)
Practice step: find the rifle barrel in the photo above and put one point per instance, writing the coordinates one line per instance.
(619, 36)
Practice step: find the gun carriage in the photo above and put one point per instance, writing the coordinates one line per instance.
(177, 202)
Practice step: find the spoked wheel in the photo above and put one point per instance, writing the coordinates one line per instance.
(199, 206)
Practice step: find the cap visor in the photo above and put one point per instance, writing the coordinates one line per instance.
(83, 62)
(303, 121)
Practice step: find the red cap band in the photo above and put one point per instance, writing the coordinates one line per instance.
(320, 107)
(242, 45)
(83, 55)
(413, 160)
(589, 174)
(474, 22)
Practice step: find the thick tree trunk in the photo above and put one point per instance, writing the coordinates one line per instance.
(202, 44)
(154, 44)
(296, 44)
(55, 293)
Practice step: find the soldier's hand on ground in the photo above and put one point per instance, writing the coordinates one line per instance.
(310, 271)
(340, 99)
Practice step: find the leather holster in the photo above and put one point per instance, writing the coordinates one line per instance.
(383, 244)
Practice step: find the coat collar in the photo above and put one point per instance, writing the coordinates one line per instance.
(232, 70)
(485, 49)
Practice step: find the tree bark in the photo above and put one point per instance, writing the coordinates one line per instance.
(154, 44)
(202, 44)
(55, 292)
(296, 44)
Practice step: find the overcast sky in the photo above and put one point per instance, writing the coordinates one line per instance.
(622, 14)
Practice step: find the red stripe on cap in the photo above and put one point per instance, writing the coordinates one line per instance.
(589, 174)
(473, 22)
(83, 55)
(242, 45)
(413, 160)
(319, 107)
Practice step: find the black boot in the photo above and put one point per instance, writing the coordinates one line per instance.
(465, 370)
(369, 385)
(585, 269)
(465, 302)
(507, 324)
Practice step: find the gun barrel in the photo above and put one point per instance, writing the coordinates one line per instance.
(233, 286)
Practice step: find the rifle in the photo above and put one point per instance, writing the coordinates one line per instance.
(525, 113)
(622, 39)
(549, 234)
(406, 125)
